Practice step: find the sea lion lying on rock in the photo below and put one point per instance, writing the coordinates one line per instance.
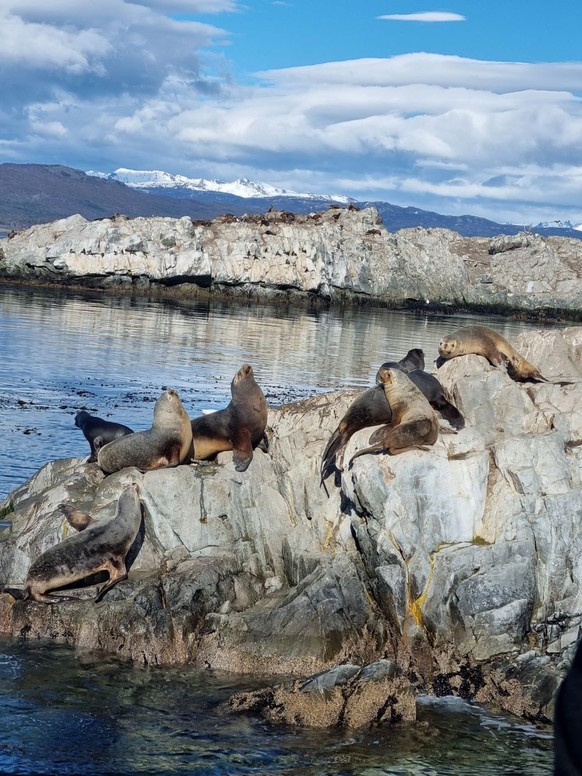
(413, 424)
(239, 427)
(483, 341)
(99, 546)
(167, 443)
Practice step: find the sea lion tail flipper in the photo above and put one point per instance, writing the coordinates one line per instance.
(78, 520)
(264, 443)
(335, 443)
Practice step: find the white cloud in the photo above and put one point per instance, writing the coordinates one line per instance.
(118, 83)
(426, 16)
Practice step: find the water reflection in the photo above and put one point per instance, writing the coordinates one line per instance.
(64, 352)
(99, 716)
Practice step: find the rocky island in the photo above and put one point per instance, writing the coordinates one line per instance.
(339, 254)
(450, 570)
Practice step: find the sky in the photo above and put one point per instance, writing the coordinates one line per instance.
(458, 106)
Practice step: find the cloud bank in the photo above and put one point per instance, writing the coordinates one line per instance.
(135, 84)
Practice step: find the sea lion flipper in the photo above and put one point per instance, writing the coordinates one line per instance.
(378, 448)
(264, 443)
(76, 519)
(117, 573)
(449, 412)
(242, 449)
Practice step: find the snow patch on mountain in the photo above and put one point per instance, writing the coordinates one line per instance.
(242, 187)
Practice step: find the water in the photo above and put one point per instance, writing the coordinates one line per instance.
(64, 352)
(99, 716)
(61, 713)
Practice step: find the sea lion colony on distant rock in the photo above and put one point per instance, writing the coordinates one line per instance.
(400, 403)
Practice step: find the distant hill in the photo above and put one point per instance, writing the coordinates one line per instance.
(38, 193)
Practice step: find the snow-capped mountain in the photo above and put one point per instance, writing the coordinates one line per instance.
(557, 224)
(242, 187)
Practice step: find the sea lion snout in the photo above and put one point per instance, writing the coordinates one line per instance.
(245, 371)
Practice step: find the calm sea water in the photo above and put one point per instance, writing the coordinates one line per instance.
(61, 713)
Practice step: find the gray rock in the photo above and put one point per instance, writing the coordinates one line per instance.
(338, 252)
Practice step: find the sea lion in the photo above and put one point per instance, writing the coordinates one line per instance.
(99, 546)
(239, 427)
(166, 443)
(483, 341)
(413, 360)
(371, 408)
(413, 423)
(99, 432)
(435, 395)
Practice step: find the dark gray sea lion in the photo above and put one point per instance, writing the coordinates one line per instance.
(167, 443)
(99, 546)
(413, 360)
(483, 341)
(99, 432)
(414, 423)
(239, 427)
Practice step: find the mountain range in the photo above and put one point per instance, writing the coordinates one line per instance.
(38, 193)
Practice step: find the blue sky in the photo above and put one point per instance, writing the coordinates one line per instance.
(462, 107)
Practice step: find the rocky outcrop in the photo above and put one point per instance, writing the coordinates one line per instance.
(340, 252)
(460, 563)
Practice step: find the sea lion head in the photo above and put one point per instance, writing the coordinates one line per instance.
(387, 375)
(129, 498)
(244, 373)
(167, 407)
(80, 418)
(448, 347)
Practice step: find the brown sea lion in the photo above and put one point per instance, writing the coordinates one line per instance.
(436, 396)
(568, 721)
(167, 443)
(483, 341)
(413, 423)
(99, 432)
(100, 546)
(239, 427)
(371, 408)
